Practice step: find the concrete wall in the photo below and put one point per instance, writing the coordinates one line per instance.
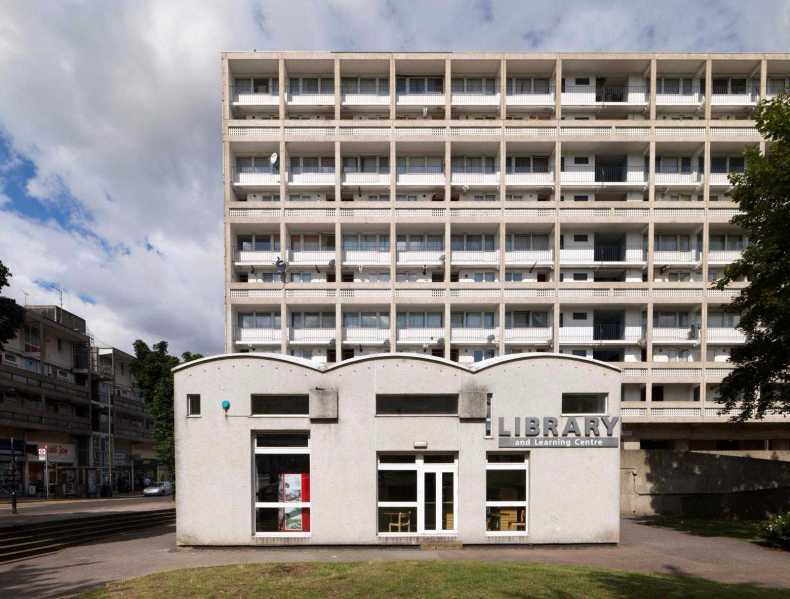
(573, 492)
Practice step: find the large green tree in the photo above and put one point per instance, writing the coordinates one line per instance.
(12, 315)
(759, 382)
(152, 368)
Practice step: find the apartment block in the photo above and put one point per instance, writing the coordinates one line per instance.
(61, 393)
(472, 205)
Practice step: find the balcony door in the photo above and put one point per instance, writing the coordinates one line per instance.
(438, 498)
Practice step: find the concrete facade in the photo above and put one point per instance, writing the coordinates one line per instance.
(572, 492)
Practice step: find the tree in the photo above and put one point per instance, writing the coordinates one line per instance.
(12, 315)
(759, 382)
(152, 369)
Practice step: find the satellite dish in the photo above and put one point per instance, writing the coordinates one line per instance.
(273, 158)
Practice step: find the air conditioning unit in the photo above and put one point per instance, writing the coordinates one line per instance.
(254, 197)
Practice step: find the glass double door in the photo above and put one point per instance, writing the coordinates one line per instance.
(437, 504)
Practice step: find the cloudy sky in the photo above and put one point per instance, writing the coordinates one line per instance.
(110, 126)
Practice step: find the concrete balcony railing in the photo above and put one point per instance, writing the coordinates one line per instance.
(679, 99)
(723, 256)
(423, 99)
(475, 179)
(323, 179)
(604, 175)
(475, 257)
(421, 179)
(255, 258)
(585, 95)
(310, 99)
(676, 257)
(313, 336)
(311, 256)
(748, 98)
(725, 335)
(538, 335)
(529, 179)
(420, 334)
(474, 335)
(601, 333)
(572, 256)
(249, 98)
(366, 336)
(351, 99)
(421, 257)
(690, 179)
(365, 257)
(366, 178)
(474, 99)
(720, 179)
(256, 336)
(675, 334)
(537, 99)
(529, 257)
(256, 178)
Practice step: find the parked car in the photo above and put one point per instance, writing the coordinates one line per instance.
(158, 489)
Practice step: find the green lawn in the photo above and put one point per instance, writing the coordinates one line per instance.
(422, 580)
(748, 530)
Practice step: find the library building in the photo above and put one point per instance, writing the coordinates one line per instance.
(397, 449)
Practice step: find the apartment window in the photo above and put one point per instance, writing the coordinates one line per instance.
(723, 320)
(193, 405)
(671, 320)
(279, 405)
(419, 320)
(282, 484)
(506, 493)
(417, 404)
(479, 355)
(527, 241)
(489, 418)
(673, 243)
(583, 403)
(259, 320)
(582, 353)
(366, 320)
(483, 277)
(472, 320)
(518, 319)
(580, 276)
(580, 238)
(313, 320)
(580, 316)
(419, 85)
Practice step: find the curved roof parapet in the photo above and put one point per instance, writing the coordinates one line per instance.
(476, 367)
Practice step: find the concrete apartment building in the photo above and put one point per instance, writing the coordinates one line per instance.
(470, 205)
(60, 391)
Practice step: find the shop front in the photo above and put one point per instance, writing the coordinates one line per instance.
(397, 449)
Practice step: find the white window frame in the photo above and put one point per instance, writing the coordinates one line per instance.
(420, 467)
(280, 504)
(519, 466)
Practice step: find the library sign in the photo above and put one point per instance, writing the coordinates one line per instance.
(580, 432)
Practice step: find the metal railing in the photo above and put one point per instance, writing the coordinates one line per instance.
(608, 331)
(609, 253)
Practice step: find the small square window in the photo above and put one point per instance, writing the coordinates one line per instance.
(580, 238)
(193, 405)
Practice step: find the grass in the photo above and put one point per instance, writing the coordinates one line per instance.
(421, 580)
(748, 530)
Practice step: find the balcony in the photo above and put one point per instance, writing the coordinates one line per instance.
(720, 179)
(316, 99)
(352, 99)
(609, 176)
(421, 257)
(679, 99)
(419, 335)
(607, 254)
(474, 335)
(255, 178)
(528, 335)
(601, 333)
(721, 257)
(725, 335)
(475, 179)
(366, 257)
(531, 99)
(250, 99)
(475, 257)
(314, 179)
(366, 336)
(255, 336)
(681, 179)
(475, 99)
(680, 257)
(676, 334)
(746, 97)
(311, 257)
(424, 179)
(587, 95)
(312, 336)
(420, 99)
(529, 179)
(369, 179)
(529, 257)
(255, 258)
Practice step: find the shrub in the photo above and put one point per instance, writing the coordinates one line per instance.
(776, 530)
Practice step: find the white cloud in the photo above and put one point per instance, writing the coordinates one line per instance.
(118, 104)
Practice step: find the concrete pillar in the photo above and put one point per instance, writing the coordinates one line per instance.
(503, 89)
(338, 330)
(448, 81)
(282, 75)
(558, 89)
(652, 99)
(336, 69)
(555, 327)
(447, 329)
(708, 88)
(393, 83)
(501, 348)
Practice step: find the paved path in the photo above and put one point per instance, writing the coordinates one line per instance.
(643, 548)
(60, 509)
